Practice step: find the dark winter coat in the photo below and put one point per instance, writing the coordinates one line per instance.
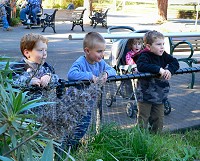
(154, 90)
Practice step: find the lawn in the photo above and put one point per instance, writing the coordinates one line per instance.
(113, 144)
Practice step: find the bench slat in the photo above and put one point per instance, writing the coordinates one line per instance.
(64, 15)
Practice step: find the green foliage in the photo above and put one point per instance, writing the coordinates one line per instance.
(15, 21)
(61, 3)
(187, 14)
(113, 143)
(21, 136)
(78, 3)
(17, 12)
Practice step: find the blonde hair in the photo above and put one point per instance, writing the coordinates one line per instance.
(28, 41)
(131, 41)
(151, 36)
(91, 39)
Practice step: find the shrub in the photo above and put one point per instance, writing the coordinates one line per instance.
(187, 14)
(15, 21)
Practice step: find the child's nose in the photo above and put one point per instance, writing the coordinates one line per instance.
(102, 54)
(44, 53)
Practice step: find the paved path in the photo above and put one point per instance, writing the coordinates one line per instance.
(63, 52)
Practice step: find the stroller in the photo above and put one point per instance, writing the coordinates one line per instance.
(127, 88)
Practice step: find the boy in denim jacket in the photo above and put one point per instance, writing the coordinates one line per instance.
(32, 69)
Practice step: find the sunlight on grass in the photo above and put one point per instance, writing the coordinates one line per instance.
(113, 143)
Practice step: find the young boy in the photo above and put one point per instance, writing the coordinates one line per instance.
(32, 69)
(90, 67)
(152, 91)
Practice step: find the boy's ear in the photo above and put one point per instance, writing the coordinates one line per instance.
(86, 50)
(148, 46)
(26, 53)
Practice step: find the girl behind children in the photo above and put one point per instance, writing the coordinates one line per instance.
(135, 46)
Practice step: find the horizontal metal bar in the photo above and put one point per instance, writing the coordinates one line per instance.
(131, 76)
(135, 35)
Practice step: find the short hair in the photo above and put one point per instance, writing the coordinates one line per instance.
(91, 39)
(28, 41)
(131, 41)
(151, 36)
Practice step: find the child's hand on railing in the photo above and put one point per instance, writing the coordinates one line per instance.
(167, 74)
(35, 81)
(45, 80)
(104, 77)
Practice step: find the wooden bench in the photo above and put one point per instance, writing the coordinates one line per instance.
(189, 46)
(74, 16)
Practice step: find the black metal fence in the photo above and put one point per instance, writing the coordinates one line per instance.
(184, 104)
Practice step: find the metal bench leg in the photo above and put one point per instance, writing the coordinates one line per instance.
(191, 86)
(82, 27)
(73, 25)
(95, 24)
(44, 28)
(53, 27)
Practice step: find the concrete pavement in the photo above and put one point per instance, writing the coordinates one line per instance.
(63, 52)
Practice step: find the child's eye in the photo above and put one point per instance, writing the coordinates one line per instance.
(100, 51)
(41, 50)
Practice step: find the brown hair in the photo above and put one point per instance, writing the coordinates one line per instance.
(131, 41)
(151, 36)
(91, 39)
(28, 41)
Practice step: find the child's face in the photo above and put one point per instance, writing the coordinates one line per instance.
(96, 54)
(38, 53)
(157, 47)
(136, 46)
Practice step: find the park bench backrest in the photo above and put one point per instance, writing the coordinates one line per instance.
(184, 44)
(78, 13)
(64, 15)
(104, 14)
(187, 45)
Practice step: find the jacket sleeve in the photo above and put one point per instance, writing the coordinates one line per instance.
(109, 70)
(173, 64)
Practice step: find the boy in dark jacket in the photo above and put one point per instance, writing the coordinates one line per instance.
(151, 92)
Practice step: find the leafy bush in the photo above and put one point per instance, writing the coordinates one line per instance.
(61, 3)
(20, 136)
(187, 14)
(15, 21)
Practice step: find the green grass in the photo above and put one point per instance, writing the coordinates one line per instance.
(113, 144)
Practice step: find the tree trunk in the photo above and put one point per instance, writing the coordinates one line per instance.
(14, 9)
(162, 10)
